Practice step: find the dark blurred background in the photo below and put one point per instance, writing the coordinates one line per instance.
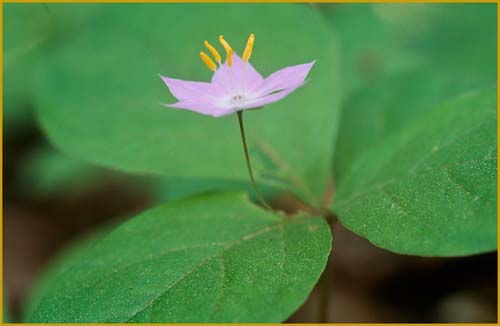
(51, 201)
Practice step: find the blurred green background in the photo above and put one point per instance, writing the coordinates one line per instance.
(409, 57)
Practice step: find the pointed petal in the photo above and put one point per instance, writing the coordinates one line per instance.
(289, 77)
(268, 99)
(202, 107)
(184, 89)
(239, 78)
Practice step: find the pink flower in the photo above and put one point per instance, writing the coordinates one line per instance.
(235, 84)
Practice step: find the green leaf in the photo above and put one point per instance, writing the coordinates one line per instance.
(99, 95)
(385, 108)
(376, 40)
(368, 47)
(429, 188)
(22, 43)
(70, 255)
(55, 173)
(211, 258)
(42, 26)
(177, 188)
(401, 62)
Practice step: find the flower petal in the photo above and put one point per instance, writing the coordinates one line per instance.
(239, 78)
(202, 107)
(184, 89)
(264, 100)
(289, 77)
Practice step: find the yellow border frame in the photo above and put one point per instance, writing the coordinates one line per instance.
(236, 1)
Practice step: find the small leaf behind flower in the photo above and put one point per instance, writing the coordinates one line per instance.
(99, 94)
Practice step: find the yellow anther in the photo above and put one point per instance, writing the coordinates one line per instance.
(226, 45)
(248, 49)
(214, 52)
(206, 59)
(230, 58)
(229, 50)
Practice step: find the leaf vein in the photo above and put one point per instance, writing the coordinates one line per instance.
(255, 234)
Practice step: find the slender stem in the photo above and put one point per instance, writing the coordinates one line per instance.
(247, 158)
(325, 285)
(326, 280)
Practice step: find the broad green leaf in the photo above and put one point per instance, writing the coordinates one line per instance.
(99, 94)
(211, 258)
(368, 47)
(457, 40)
(28, 31)
(386, 107)
(21, 45)
(55, 172)
(69, 255)
(401, 62)
(430, 188)
(176, 188)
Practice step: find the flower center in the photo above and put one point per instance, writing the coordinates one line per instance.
(238, 100)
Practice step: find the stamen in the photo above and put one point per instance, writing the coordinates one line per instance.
(214, 52)
(230, 58)
(229, 50)
(248, 49)
(206, 59)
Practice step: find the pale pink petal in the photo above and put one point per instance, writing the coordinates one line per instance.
(239, 78)
(184, 89)
(202, 107)
(268, 99)
(289, 77)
